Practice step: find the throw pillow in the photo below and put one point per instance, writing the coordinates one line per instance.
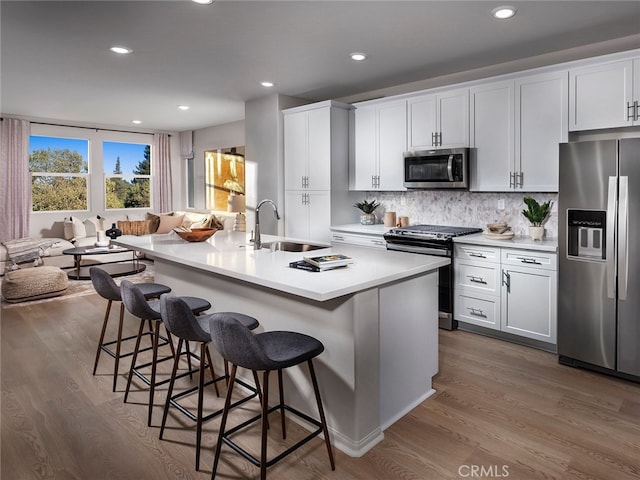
(154, 220)
(92, 225)
(169, 222)
(79, 230)
(133, 227)
(68, 228)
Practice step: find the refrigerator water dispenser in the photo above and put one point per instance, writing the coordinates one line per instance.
(586, 231)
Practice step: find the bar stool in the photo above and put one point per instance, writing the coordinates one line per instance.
(180, 321)
(265, 352)
(107, 288)
(149, 310)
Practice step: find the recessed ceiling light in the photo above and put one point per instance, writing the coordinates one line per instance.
(137, 122)
(267, 84)
(358, 56)
(183, 107)
(503, 12)
(120, 50)
(203, 2)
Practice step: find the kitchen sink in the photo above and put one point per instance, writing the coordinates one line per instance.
(292, 246)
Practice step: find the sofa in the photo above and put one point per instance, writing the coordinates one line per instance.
(79, 232)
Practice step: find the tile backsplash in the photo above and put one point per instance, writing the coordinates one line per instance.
(465, 209)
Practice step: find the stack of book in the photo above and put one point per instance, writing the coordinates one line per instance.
(322, 262)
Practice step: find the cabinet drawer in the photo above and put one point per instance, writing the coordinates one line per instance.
(477, 309)
(477, 276)
(476, 252)
(528, 258)
(371, 241)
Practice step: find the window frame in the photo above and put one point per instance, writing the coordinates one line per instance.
(127, 177)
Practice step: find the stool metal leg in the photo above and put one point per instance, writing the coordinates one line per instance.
(133, 359)
(104, 329)
(323, 420)
(265, 426)
(118, 345)
(223, 421)
(281, 392)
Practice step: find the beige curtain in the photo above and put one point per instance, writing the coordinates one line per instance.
(162, 200)
(15, 179)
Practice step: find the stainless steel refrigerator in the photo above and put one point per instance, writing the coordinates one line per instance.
(599, 261)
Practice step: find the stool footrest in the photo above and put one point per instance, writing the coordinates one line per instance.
(111, 353)
(174, 399)
(286, 452)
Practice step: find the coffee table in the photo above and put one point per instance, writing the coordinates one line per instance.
(117, 268)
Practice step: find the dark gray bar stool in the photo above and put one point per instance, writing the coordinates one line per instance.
(180, 322)
(149, 310)
(107, 288)
(265, 352)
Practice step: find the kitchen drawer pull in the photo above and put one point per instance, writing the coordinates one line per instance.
(379, 242)
(475, 279)
(477, 255)
(338, 237)
(476, 312)
(531, 261)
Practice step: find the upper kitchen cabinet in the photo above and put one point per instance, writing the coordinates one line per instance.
(307, 148)
(380, 142)
(439, 120)
(492, 135)
(516, 126)
(542, 119)
(316, 158)
(603, 95)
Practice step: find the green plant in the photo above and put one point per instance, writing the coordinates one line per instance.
(367, 207)
(535, 212)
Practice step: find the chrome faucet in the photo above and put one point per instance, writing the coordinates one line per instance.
(257, 242)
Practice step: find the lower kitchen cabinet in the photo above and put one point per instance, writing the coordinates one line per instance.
(308, 214)
(505, 289)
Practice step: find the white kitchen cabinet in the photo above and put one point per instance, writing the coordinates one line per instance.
(516, 126)
(380, 143)
(506, 289)
(492, 135)
(308, 215)
(438, 120)
(541, 124)
(307, 149)
(360, 239)
(316, 153)
(603, 95)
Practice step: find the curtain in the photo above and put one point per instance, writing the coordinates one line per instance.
(161, 158)
(15, 179)
(186, 144)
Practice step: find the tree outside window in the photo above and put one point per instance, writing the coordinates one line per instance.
(127, 169)
(59, 172)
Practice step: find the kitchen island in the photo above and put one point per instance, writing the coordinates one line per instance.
(378, 320)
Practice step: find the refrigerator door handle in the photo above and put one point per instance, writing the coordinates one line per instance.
(623, 239)
(610, 248)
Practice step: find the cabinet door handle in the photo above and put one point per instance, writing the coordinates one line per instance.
(434, 142)
(632, 111)
(506, 281)
(476, 312)
(475, 279)
(530, 261)
(512, 179)
(439, 134)
(476, 255)
(520, 180)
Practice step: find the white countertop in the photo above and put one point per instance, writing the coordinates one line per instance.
(230, 253)
(519, 241)
(377, 229)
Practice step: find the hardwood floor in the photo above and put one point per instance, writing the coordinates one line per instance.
(500, 411)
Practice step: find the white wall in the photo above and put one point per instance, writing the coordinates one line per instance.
(211, 138)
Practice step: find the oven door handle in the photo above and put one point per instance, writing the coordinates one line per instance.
(450, 168)
(438, 252)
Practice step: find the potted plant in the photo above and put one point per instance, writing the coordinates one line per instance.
(536, 213)
(367, 217)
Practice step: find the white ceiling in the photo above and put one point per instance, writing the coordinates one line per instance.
(56, 64)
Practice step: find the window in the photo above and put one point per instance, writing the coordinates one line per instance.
(127, 173)
(59, 173)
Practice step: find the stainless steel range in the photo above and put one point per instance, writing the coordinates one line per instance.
(432, 240)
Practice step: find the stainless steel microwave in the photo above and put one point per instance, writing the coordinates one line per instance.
(446, 168)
